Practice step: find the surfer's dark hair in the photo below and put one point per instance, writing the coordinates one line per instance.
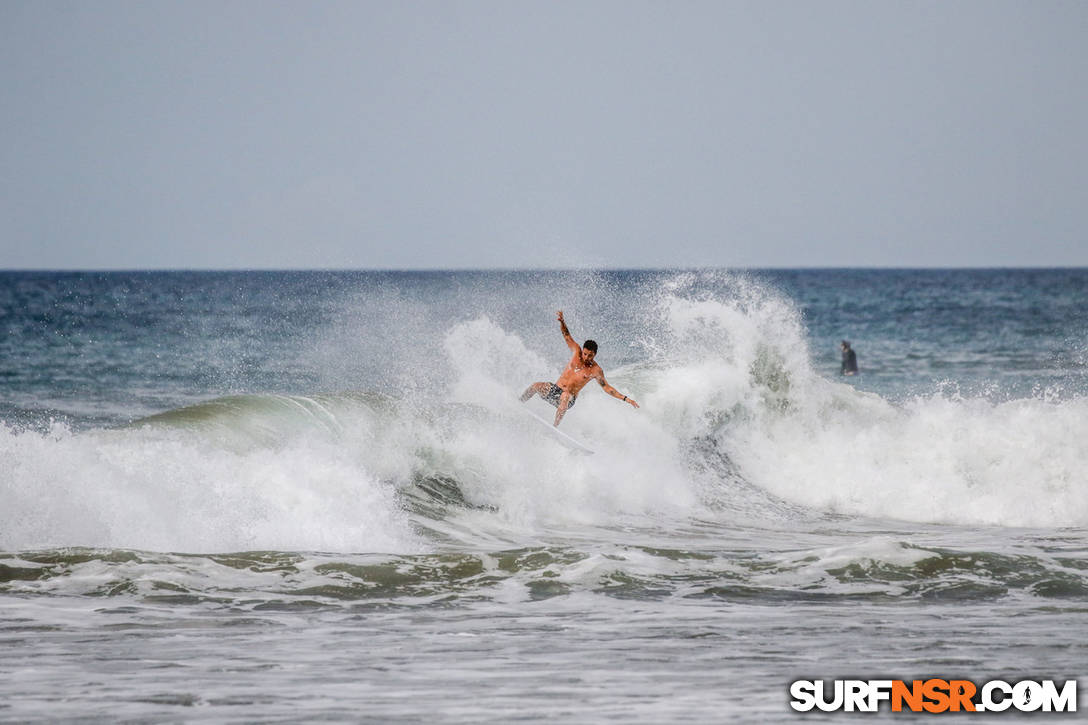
(590, 345)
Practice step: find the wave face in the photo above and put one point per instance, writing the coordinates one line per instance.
(741, 423)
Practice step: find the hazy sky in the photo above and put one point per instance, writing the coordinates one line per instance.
(542, 134)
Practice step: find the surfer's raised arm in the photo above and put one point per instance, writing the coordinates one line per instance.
(574, 346)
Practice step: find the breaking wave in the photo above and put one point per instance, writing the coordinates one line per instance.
(735, 426)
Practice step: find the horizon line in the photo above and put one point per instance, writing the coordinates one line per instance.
(409, 270)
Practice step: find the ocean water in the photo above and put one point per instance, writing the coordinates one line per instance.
(308, 496)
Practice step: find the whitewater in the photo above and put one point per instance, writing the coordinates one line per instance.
(315, 495)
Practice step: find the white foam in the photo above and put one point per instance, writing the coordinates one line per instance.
(1019, 463)
(170, 490)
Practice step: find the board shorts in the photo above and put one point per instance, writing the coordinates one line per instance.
(555, 393)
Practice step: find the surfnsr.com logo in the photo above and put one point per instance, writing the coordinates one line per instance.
(933, 695)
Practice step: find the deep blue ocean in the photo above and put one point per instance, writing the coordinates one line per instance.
(300, 496)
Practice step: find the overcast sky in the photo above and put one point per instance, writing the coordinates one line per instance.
(542, 134)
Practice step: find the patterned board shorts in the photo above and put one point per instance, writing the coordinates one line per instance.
(554, 393)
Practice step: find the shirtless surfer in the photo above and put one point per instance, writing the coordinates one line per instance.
(580, 370)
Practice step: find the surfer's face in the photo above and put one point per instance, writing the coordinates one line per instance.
(588, 355)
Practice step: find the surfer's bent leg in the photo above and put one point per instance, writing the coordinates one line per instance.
(565, 401)
(534, 389)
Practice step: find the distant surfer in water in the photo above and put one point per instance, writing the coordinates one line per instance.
(849, 359)
(580, 370)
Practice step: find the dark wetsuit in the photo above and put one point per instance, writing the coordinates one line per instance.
(849, 362)
(554, 394)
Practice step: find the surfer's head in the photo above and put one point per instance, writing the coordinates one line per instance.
(589, 350)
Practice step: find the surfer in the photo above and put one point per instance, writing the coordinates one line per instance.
(849, 360)
(580, 370)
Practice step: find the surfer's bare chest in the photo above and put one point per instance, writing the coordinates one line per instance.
(578, 374)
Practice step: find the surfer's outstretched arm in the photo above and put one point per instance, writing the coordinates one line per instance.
(574, 346)
(615, 393)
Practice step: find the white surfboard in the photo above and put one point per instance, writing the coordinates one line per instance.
(567, 440)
